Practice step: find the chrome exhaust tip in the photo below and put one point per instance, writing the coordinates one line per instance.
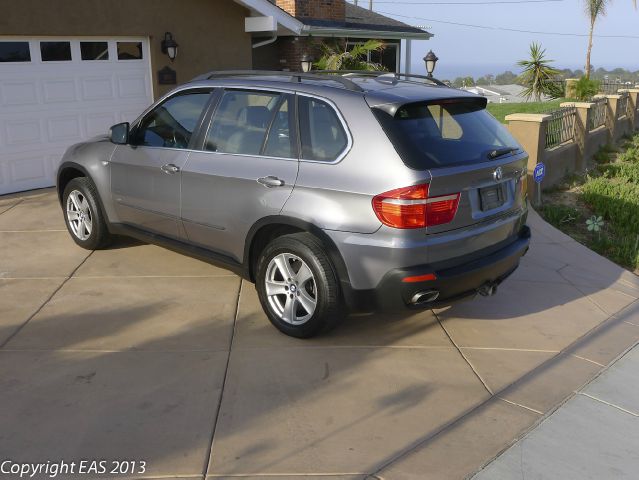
(425, 296)
(487, 289)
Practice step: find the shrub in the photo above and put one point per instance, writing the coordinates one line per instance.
(603, 154)
(631, 154)
(628, 172)
(559, 215)
(617, 202)
(585, 88)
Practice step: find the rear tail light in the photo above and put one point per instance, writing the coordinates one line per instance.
(411, 207)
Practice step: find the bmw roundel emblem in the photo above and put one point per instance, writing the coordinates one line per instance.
(498, 174)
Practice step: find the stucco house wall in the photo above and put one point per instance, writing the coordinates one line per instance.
(210, 33)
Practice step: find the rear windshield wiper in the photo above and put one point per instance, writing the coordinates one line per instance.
(500, 152)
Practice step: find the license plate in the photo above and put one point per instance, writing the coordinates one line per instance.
(491, 197)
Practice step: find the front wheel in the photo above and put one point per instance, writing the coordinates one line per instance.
(83, 216)
(297, 286)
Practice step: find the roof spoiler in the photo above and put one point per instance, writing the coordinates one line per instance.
(392, 108)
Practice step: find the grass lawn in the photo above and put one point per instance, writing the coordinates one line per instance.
(500, 110)
(609, 192)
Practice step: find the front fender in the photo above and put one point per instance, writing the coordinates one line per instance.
(92, 159)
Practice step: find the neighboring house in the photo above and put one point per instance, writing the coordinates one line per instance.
(319, 21)
(69, 70)
(501, 93)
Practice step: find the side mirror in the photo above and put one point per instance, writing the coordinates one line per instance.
(120, 133)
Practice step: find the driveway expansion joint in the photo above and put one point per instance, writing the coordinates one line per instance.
(13, 206)
(588, 360)
(47, 300)
(490, 392)
(520, 405)
(592, 397)
(207, 459)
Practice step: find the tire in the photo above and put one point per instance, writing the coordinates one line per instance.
(288, 303)
(88, 229)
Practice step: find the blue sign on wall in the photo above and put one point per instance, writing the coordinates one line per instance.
(539, 173)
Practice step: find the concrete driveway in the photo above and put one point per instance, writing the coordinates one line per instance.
(137, 353)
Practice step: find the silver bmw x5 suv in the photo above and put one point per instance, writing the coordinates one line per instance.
(361, 191)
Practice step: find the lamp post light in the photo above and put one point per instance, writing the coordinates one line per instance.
(431, 60)
(169, 46)
(307, 63)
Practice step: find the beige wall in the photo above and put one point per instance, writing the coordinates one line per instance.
(210, 33)
(575, 155)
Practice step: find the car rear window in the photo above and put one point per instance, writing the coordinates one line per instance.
(431, 135)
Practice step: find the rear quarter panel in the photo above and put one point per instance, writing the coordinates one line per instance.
(338, 196)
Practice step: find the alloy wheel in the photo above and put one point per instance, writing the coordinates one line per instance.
(79, 215)
(290, 288)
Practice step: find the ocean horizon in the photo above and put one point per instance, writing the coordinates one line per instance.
(451, 72)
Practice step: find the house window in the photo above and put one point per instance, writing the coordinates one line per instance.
(388, 58)
(94, 50)
(129, 51)
(15, 52)
(55, 51)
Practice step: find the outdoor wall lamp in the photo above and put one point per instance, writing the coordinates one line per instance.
(431, 60)
(169, 46)
(307, 63)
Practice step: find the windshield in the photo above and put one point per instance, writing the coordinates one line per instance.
(431, 135)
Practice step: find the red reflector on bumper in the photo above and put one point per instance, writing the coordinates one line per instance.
(420, 278)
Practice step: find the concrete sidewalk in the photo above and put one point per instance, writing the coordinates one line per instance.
(139, 353)
(594, 435)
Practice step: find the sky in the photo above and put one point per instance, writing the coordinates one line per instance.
(473, 51)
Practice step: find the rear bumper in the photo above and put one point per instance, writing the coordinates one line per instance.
(452, 283)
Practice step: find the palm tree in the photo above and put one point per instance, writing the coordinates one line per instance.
(537, 75)
(594, 10)
(354, 59)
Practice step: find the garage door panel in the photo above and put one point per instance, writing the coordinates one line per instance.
(56, 91)
(97, 88)
(20, 92)
(99, 123)
(47, 106)
(63, 128)
(132, 87)
(21, 132)
(27, 168)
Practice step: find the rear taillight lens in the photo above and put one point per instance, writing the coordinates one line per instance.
(411, 207)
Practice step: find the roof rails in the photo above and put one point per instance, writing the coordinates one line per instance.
(294, 76)
(343, 77)
(378, 74)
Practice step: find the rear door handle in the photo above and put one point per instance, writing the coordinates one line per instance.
(270, 181)
(170, 168)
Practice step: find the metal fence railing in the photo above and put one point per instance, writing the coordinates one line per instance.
(622, 105)
(610, 87)
(561, 126)
(598, 113)
(631, 109)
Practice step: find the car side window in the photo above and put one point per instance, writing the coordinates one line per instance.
(172, 123)
(240, 122)
(244, 119)
(281, 140)
(323, 137)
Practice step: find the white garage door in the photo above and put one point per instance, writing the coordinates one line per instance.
(58, 91)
